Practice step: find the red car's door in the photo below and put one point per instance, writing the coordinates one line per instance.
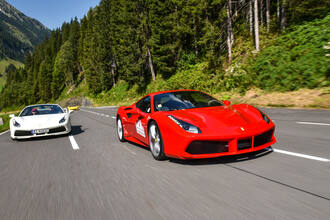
(131, 120)
(140, 120)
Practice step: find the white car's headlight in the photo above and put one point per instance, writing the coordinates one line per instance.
(185, 125)
(62, 120)
(16, 124)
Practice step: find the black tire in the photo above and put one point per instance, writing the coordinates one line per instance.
(156, 151)
(120, 130)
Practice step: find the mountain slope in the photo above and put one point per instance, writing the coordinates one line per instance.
(18, 33)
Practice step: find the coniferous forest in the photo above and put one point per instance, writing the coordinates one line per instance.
(142, 41)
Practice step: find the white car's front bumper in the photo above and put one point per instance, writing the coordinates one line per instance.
(24, 134)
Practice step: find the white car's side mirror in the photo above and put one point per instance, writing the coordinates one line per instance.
(66, 110)
(11, 116)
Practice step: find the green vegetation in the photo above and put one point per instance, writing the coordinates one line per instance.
(18, 33)
(5, 126)
(4, 64)
(123, 49)
(295, 60)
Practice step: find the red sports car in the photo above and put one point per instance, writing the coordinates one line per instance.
(190, 124)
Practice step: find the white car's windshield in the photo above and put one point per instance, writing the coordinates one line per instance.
(41, 110)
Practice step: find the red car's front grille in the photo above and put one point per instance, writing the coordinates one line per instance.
(244, 144)
(212, 147)
(263, 138)
(207, 147)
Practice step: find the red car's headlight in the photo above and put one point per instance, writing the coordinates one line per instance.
(185, 125)
(264, 116)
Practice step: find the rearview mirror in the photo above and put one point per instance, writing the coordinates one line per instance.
(11, 116)
(66, 110)
(226, 103)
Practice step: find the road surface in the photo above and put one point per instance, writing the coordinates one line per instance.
(91, 175)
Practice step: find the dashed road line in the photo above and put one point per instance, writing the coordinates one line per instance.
(312, 123)
(4, 132)
(300, 155)
(102, 107)
(96, 113)
(113, 117)
(73, 143)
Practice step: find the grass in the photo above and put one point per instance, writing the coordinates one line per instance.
(5, 62)
(3, 65)
(5, 126)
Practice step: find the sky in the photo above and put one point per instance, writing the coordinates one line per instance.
(52, 13)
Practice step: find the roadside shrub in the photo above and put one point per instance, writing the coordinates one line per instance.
(295, 60)
(5, 125)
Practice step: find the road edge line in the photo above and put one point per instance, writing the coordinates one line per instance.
(312, 123)
(4, 132)
(301, 155)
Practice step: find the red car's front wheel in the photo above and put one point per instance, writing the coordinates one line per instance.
(156, 142)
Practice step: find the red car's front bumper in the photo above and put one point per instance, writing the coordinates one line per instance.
(197, 146)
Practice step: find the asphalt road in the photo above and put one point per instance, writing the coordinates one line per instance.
(93, 176)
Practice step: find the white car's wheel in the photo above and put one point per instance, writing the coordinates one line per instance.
(120, 130)
(156, 142)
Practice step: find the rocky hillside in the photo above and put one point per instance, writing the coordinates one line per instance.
(18, 33)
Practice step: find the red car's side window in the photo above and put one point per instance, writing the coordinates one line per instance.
(144, 105)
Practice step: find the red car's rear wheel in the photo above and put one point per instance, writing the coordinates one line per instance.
(120, 130)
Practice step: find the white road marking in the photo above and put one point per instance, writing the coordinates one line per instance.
(300, 155)
(96, 113)
(4, 132)
(73, 143)
(113, 117)
(312, 123)
(104, 107)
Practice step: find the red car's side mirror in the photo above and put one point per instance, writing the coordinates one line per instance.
(226, 102)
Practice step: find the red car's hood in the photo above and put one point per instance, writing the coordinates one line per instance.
(229, 120)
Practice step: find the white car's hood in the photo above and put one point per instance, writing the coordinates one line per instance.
(41, 121)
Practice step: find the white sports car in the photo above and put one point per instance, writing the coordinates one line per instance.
(40, 120)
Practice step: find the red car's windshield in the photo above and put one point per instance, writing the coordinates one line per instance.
(183, 100)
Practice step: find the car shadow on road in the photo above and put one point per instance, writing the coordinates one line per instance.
(225, 159)
(77, 129)
(138, 145)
